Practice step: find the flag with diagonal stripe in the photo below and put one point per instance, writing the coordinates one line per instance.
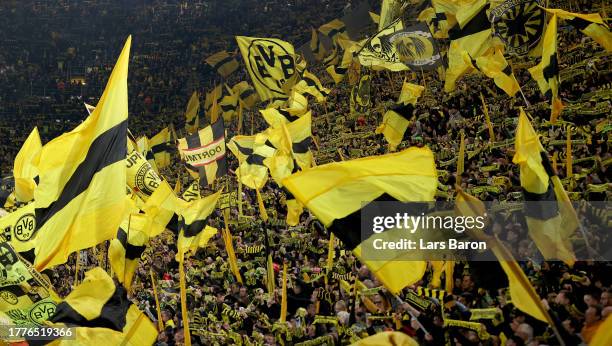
(204, 153)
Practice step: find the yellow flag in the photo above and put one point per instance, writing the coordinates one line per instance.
(334, 193)
(394, 125)
(270, 63)
(194, 232)
(591, 25)
(80, 199)
(550, 224)
(410, 93)
(546, 73)
(603, 335)
(283, 313)
(495, 66)
(387, 338)
(23, 169)
(523, 295)
(191, 114)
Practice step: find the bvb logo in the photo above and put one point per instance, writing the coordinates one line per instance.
(146, 179)
(271, 64)
(519, 23)
(9, 297)
(414, 48)
(42, 311)
(25, 227)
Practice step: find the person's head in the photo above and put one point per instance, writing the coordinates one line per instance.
(340, 306)
(269, 340)
(525, 332)
(605, 299)
(590, 299)
(179, 336)
(592, 314)
(467, 283)
(563, 298)
(243, 291)
(571, 325)
(166, 315)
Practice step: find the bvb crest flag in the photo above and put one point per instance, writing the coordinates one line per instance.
(80, 199)
(26, 298)
(204, 153)
(223, 63)
(270, 63)
(141, 177)
(19, 228)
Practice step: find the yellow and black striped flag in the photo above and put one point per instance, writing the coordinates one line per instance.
(551, 219)
(546, 73)
(229, 105)
(223, 63)
(161, 146)
(495, 66)
(334, 30)
(204, 153)
(311, 85)
(102, 314)
(125, 250)
(212, 97)
(394, 124)
(335, 193)
(471, 37)
(591, 25)
(251, 170)
(24, 172)
(316, 45)
(246, 93)
(192, 118)
(194, 231)
(80, 199)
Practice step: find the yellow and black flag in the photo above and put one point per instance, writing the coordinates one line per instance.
(194, 231)
(494, 65)
(125, 250)
(141, 177)
(379, 51)
(416, 48)
(270, 63)
(223, 63)
(204, 153)
(192, 192)
(472, 38)
(438, 20)
(361, 98)
(550, 218)
(311, 85)
(192, 119)
(316, 45)
(591, 25)
(246, 94)
(102, 314)
(229, 105)
(80, 198)
(335, 193)
(28, 298)
(24, 172)
(161, 146)
(251, 170)
(546, 73)
(334, 30)
(394, 125)
(212, 97)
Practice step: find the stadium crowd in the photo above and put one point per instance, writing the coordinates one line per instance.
(49, 70)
